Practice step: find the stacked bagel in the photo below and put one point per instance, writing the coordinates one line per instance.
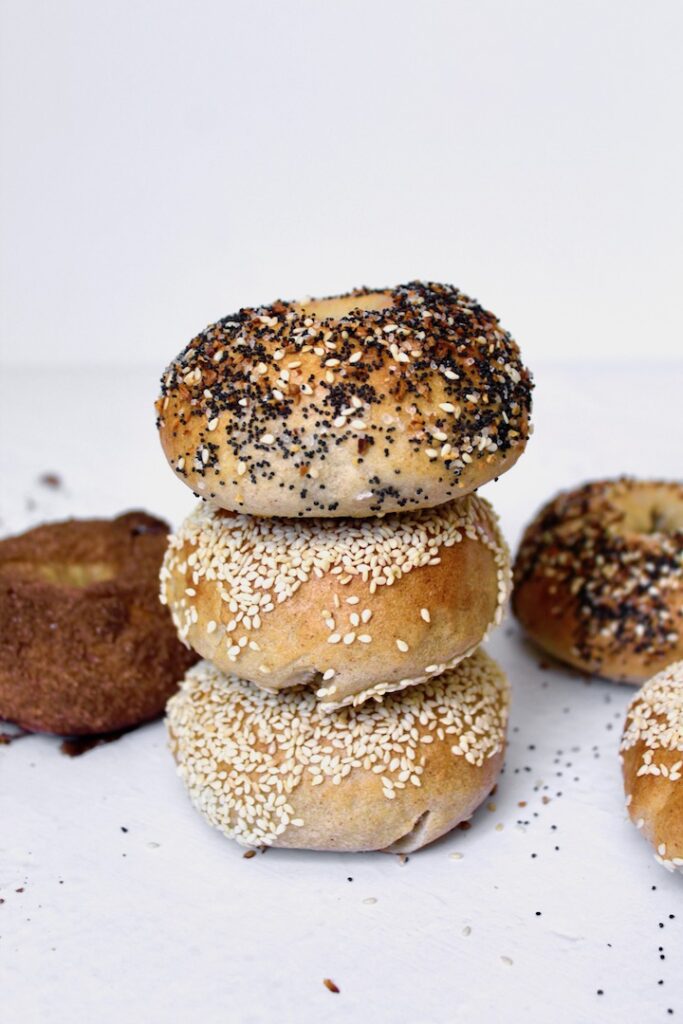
(340, 571)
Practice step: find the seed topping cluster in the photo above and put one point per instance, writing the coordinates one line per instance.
(257, 564)
(655, 720)
(278, 386)
(622, 572)
(243, 752)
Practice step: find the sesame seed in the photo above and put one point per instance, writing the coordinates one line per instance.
(238, 561)
(654, 725)
(256, 802)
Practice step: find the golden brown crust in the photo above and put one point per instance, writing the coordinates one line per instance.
(598, 578)
(276, 770)
(378, 401)
(652, 761)
(85, 646)
(359, 608)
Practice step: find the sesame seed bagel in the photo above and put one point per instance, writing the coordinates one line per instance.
(357, 607)
(277, 770)
(375, 401)
(85, 646)
(598, 578)
(652, 760)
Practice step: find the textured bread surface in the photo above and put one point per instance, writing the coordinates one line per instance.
(277, 770)
(376, 401)
(354, 607)
(652, 760)
(598, 578)
(85, 645)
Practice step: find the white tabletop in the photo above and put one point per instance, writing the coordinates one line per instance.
(120, 904)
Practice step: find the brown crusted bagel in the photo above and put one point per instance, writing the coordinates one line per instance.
(359, 607)
(598, 578)
(652, 759)
(277, 770)
(375, 401)
(85, 645)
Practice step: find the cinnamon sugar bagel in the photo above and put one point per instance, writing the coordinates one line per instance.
(598, 578)
(371, 402)
(357, 607)
(85, 646)
(276, 770)
(652, 760)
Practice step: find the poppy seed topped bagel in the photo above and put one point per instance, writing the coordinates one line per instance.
(372, 402)
(598, 578)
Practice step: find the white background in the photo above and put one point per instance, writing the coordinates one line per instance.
(165, 162)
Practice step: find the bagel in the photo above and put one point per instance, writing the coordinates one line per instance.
(359, 607)
(371, 402)
(598, 578)
(277, 770)
(85, 646)
(652, 762)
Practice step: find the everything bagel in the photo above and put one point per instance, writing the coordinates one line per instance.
(598, 578)
(371, 402)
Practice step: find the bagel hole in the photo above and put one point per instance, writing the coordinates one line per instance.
(651, 511)
(336, 308)
(61, 574)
